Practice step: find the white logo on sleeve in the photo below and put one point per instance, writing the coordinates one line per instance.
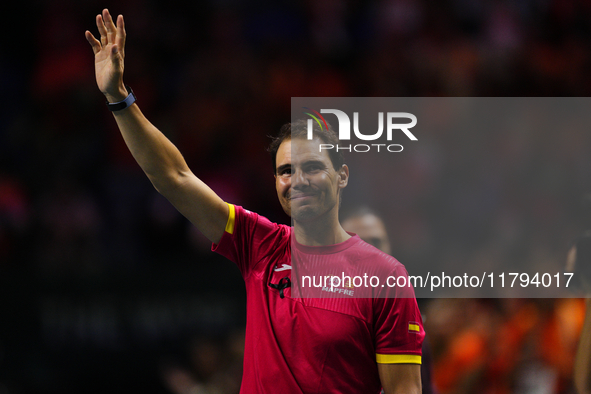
(285, 267)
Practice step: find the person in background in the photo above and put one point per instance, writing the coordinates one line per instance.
(370, 227)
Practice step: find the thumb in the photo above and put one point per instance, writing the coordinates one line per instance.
(115, 55)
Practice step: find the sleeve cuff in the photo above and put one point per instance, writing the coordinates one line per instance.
(231, 219)
(398, 359)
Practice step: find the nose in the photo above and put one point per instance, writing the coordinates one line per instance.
(298, 179)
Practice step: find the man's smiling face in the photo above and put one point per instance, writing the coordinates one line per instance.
(307, 183)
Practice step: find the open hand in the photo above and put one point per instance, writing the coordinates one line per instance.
(109, 53)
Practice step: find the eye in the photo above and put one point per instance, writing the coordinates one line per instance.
(285, 171)
(313, 167)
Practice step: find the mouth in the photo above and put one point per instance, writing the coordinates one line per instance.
(300, 196)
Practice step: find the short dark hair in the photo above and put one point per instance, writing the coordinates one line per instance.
(299, 129)
(359, 211)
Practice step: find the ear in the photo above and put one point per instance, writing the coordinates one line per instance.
(343, 175)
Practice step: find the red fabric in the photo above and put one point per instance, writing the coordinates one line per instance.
(313, 345)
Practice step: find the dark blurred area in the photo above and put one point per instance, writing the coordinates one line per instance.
(105, 287)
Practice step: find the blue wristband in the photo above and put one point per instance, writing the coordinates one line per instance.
(130, 99)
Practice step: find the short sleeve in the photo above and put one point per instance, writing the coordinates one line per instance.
(250, 238)
(398, 325)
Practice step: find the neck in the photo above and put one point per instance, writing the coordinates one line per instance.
(320, 232)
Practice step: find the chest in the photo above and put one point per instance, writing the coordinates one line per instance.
(321, 322)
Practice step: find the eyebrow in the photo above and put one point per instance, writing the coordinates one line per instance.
(314, 161)
(306, 163)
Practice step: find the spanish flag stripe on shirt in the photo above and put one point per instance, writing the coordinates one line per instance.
(231, 219)
(398, 359)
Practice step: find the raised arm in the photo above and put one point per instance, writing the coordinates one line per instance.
(157, 156)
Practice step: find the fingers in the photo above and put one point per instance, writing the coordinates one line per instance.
(110, 33)
(110, 26)
(94, 43)
(102, 29)
(121, 34)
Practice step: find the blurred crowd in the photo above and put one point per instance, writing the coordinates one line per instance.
(217, 77)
